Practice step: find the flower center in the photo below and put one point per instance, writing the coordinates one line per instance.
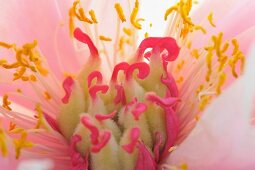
(132, 115)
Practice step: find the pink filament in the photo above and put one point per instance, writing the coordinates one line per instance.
(52, 122)
(134, 136)
(97, 75)
(82, 37)
(67, 85)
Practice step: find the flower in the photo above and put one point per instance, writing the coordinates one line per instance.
(143, 108)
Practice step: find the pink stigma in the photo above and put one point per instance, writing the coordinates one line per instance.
(105, 139)
(164, 102)
(120, 97)
(82, 37)
(93, 75)
(67, 85)
(121, 66)
(139, 109)
(102, 117)
(93, 129)
(95, 89)
(134, 136)
(143, 68)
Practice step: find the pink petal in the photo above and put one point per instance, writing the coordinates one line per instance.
(224, 137)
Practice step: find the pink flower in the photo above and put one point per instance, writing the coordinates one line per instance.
(79, 92)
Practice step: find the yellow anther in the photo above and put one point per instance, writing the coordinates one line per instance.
(21, 143)
(197, 118)
(205, 99)
(6, 45)
(19, 73)
(180, 65)
(47, 95)
(195, 53)
(39, 116)
(40, 68)
(19, 90)
(221, 81)
(184, 166)
(103, 38)
(199, 89)
(3, 145)
(225, 47)
(198, 27)
(120, 12)
(170, 10)
(12, 126)
(185, 8)
(180, 79)
(236, 46)
(223, 60)
(150, 24)
(134, 21)
(210, 19)
(78, 13)
(209, 57)
(146, 35)
(93, 16)
(189, 44)
(127, 31)
(71, 22)
(6, 103)
(3, 61)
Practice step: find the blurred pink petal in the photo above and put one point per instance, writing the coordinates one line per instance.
(224, 137)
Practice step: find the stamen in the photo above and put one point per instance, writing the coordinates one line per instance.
(21, 143)
(67, 85)
(3, 145)
(82, 37)
(47, 95)
(6, 45)
(221, 81)
(6, 103)
(120, 12)
(143, 68)
(133, 20)
(93, 16)
(103, 38)
(93, 75)
(210, 19)
(127, 31)
(134, 136)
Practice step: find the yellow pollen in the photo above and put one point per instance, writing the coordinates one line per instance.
(127, 31)
(197, 118)
(47, 95)
(146, 35)
(6, 45)
(222, 78)
(93, 16)
(32, 78)
(134, 21)
(27, 59)
(19, 90)
(3, 145)
(198, 27)
(195, 53)
(21, 143)
(209, 57)
(180, 79)
(103, 38)
(236, 46)
(39, 116)
(170, 10)
(6, 103)
(205, 99)
(120, 12)
(12, 126)
(210, 19)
